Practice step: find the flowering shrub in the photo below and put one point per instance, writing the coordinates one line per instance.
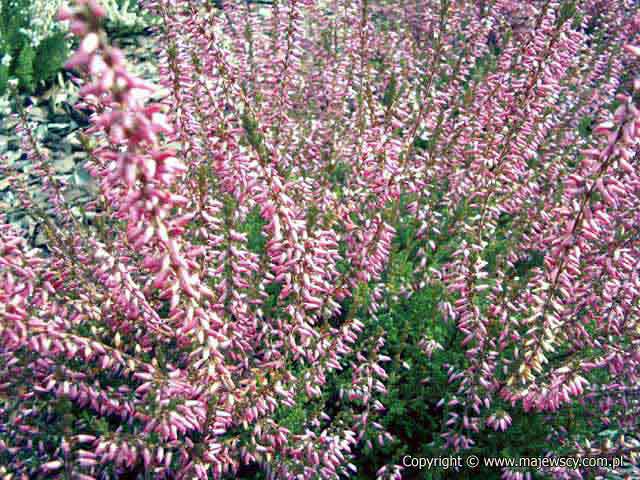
(307, 170)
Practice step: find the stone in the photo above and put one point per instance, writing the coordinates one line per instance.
(66, 164)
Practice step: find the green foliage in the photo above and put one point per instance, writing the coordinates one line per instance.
(417, 382)
(253, 228)
(567, 12)
(412, 416)
(13, 17)
(585, 127)
(124, 17)
(30, 56)
(24, 67)
(4, 78)
(253, 136)
(130, 4)
(338, 173)
(49, 57)
(391, 92)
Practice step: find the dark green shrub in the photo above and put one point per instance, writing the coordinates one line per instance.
(32, 47)
(418, 381)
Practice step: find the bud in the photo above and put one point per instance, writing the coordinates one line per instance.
(90, 43)
(64, 13)
(633, 49)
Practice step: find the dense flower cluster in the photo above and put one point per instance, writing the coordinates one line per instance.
(250, 220)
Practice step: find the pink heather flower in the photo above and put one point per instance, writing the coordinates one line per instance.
(499, 421)
(52, 466)
(64, 13)
(633, 49)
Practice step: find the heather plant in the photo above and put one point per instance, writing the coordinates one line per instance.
(342, 232)
(424, 347)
